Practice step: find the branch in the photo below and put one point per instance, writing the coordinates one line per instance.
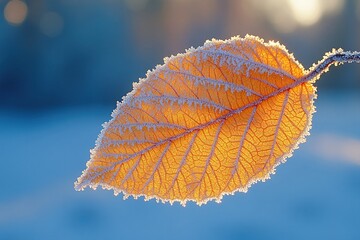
(336, 57)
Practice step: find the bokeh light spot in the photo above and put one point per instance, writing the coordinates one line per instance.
(286, 15)
(15, 12)
(306, 12)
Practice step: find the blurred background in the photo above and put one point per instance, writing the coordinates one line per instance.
(65, 63)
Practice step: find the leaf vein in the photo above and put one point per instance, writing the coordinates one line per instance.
(238, 61)
(216, 138)
(156, 168)
(242, 141)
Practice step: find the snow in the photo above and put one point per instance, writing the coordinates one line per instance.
(42, 154)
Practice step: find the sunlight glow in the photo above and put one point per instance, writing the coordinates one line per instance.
(15, 12)
(286, 15)
(306, 12)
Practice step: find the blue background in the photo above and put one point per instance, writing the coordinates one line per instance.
(60, 79)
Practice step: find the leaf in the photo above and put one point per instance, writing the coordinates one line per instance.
(206, 123)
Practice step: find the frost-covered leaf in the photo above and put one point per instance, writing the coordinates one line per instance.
(208, 122)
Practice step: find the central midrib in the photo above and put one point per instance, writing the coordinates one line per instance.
(203, 126)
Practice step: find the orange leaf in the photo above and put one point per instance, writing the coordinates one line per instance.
(208, 122)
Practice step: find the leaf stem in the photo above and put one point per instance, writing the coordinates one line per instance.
(336, 57)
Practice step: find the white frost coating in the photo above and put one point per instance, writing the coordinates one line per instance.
(137, 101)
(81, 183)
(121, 128)
(205, 81)
(337, 57)
(130, 142)
(223, 57)
(118, 155)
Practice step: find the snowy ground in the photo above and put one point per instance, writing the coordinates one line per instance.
(315, 195)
